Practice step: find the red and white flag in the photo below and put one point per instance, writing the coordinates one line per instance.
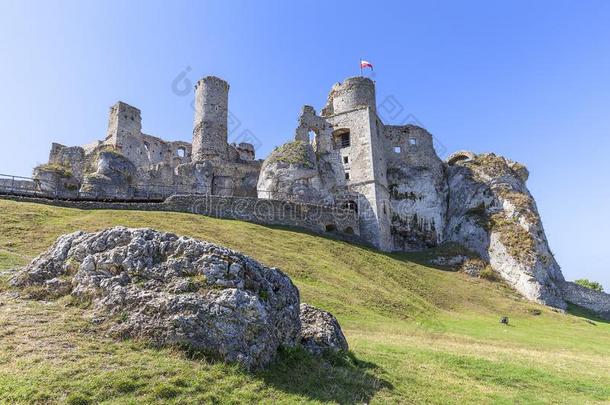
(365, 64)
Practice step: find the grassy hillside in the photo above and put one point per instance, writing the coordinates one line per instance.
(416, 333)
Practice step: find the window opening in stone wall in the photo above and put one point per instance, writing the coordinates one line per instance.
(396, 149)
(341, 138)
(311, 136)
(412, 141)
(331, 228)
(345, 141)
(346, 159)
(346, 175)
(180, 152)
(350, 205)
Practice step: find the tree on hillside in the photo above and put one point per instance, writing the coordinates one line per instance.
(594, 285)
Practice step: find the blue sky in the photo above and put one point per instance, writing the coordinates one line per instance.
(528, 80)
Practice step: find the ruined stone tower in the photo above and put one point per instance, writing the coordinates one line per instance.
(358, 137)
(210, 126)
(124, 121)
(389, 174)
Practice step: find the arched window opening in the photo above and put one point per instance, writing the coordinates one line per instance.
(459, 157)
(331, 228)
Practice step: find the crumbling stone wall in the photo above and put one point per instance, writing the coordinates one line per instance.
(417, 186)
(357, 160)
(69, 157)
(211, 167)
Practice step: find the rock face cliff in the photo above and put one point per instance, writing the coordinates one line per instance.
(480, 202)
(491, 212)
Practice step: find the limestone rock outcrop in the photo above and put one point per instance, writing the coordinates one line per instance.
(292, 172)
(56, 180)
(492, 213)
(173, 290)
(114, 176)
(320, 331)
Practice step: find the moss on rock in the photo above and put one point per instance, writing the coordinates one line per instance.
(518, 242)
(63, 171)
(294, 153)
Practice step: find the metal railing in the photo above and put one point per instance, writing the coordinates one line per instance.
(145, 192)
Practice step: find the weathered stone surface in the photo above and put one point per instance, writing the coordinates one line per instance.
(291, 172)
(320, 331)
(473, 267)
(55, 179)
(172, 290)
(596, 301)
(492, 213)
(114, 176)
(390, 176)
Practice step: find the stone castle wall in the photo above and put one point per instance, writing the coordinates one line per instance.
(338, 223)
(394, 191)
(104, 168)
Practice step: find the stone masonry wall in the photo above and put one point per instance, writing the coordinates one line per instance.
(339, 223)
(211, 114)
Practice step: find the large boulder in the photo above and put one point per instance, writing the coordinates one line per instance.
(320, 331)
(172, 290)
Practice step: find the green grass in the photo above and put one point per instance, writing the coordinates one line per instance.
(416, 333)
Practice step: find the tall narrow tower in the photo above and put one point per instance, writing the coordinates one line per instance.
(358, 139)
(210, 126)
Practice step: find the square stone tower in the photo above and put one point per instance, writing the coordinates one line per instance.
(124, 121)
(359, 139)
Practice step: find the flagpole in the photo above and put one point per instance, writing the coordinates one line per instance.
(360, 67)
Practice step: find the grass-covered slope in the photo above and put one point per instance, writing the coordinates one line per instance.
(417, 334)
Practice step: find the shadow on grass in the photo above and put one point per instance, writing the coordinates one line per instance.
(339, 378)
(423, 257)
(581, 312)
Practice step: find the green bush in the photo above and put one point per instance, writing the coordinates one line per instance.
(594, 285)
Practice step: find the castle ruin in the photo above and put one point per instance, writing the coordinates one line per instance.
(128, 162)
(399, 194)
